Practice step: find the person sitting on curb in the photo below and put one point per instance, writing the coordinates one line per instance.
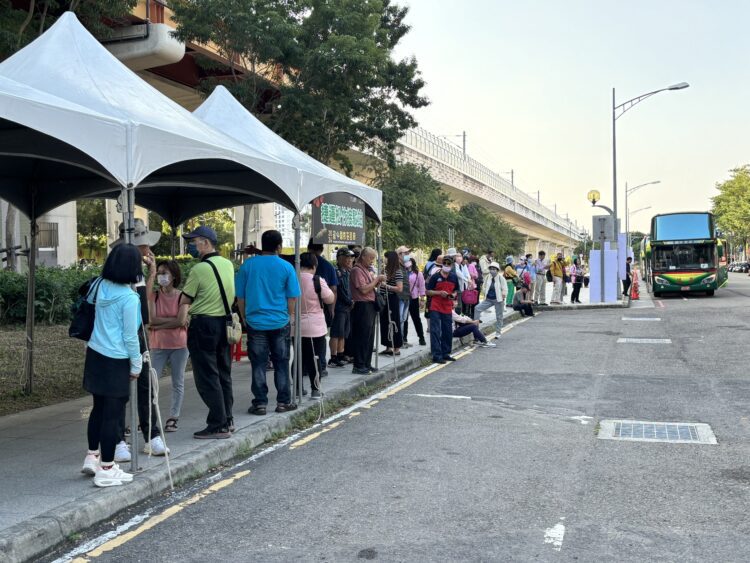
(465, 325)
(522, 301)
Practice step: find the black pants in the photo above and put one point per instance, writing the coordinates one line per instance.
(626, 287)
(576, 291)
(145, 404)
(470, 328)
(415, 318)
(312, 347)
(212, 367)
(363, 326)
(105, 425)
(525, 309)
(393, 309)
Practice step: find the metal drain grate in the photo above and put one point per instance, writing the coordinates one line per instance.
(642, 431)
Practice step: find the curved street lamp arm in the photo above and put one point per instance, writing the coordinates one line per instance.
(625, 106)
(607, 209)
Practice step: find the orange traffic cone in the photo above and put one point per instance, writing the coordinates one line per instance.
(634, 292)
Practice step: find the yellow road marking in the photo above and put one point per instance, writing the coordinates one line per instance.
(159, 518)
(309, 438)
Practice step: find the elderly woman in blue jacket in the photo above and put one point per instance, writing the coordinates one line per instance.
(113, 358)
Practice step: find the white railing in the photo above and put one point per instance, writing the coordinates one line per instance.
(448, 154)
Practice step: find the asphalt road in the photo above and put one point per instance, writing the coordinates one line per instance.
(494, 458)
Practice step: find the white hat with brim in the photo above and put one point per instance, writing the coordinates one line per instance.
(495, 265)
(141, 235)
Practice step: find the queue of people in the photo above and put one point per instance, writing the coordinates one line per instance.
(141, 306)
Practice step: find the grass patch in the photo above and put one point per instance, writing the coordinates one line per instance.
(58, 367)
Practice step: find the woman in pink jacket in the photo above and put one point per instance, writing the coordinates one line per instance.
(315, 295)
(417, 289)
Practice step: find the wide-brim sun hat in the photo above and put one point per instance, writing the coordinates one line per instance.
(495, 265)
(141, 235)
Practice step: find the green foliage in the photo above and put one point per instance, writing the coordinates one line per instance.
(415, 208)
(18, 27)
(417, 212)
(331, 63)
(732, 206)
(56, 290)
(479, 230)
(92, 226)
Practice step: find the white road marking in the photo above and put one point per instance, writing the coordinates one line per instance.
(644, 341)
(641, 318)
(583, 419)
(441, 396)
(555, 535)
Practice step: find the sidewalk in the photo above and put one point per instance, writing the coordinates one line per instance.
(585, 299)
(45, 498)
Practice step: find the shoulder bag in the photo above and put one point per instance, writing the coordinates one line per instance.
(234, 326)
(84, 313)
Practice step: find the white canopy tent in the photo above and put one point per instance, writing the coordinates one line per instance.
(223, 112)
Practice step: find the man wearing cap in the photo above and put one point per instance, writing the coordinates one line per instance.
(495, 291)
(208, 295)
(326, 271)
(404, 296)
(144, 240)
(541, 265)
(267, 293)
(341, 325)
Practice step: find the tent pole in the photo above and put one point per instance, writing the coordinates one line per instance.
(127, 203)
(174, 240)
(28, 367)
(297, 316)
(379, 266)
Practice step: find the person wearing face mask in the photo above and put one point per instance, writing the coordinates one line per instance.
(558, 276)
(495, 294)
(404, 296)
(417, 294)
(442, 287)
(167, 336)
(462, 273)
(206, 297)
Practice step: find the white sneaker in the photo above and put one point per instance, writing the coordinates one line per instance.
(90, 464)
(487, 345)
(155, 447)
(122, 452)
(111, 477)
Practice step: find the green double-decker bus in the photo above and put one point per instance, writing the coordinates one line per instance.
(683, 254)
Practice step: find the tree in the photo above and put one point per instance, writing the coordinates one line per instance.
(415, 208)
(479, 230)
(331, 63)
(732, 206)
(19, 27)
(92, 223)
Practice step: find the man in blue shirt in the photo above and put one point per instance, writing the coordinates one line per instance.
(327, 271)
(267, 291)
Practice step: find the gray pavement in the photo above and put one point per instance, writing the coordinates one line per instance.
(496, 457)
(44, 497)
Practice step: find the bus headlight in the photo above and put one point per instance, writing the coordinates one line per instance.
(660, 281)
(709, 279)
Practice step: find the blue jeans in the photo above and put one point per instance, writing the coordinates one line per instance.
(260, 344)
(441, 335)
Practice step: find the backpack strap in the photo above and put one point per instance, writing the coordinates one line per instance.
(221, 289)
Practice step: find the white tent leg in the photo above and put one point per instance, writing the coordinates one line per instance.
(297, 378)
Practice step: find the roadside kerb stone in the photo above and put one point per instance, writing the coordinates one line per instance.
(39, 534)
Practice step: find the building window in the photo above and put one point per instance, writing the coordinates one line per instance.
(47, 236)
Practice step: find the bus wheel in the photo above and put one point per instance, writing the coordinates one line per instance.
(710, 293)
(657, 294)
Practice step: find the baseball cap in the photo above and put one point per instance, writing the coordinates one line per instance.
(141, 235)
(344, 252)
(202, 231)
(402, 249)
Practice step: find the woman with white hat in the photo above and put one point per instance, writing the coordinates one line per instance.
(495, 292)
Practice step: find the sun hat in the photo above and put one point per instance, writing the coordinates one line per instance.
(141, 235)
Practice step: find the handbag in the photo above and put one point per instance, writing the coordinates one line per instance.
(470, 296)
(234, 326)
(380, 302)
(84, 313)
(548, 275)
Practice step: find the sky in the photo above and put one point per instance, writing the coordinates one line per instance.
(531, 84)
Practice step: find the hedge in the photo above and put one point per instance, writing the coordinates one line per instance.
(56, 291)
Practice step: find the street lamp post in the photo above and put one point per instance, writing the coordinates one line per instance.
(594, 196)
(629, 191)
(628, 220)
(622, 108)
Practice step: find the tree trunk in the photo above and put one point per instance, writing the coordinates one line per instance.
(10, 236)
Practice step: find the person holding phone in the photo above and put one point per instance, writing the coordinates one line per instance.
(441, 288)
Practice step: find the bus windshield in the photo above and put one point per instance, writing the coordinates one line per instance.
(682, 226)
(683, 257)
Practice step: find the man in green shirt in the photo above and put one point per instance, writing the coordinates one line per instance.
(207, 340)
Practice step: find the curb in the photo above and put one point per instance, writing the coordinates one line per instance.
(586, 306)
(38, 535)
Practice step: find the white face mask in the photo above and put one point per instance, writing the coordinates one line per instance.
(447, 269)
(407, 264)
(164, 279)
